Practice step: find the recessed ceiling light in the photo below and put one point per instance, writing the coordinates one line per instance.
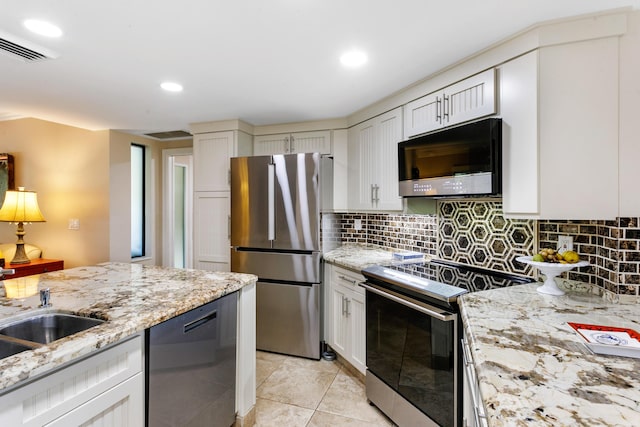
(43, 28)
(353, 58)
(171, 87)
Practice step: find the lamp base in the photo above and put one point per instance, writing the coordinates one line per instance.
(21, 256)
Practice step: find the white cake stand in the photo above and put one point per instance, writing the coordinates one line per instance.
(551, 271)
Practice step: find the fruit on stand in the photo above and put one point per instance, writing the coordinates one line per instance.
(553, 256)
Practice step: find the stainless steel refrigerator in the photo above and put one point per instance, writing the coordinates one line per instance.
(275, 234)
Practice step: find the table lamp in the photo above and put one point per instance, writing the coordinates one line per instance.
(19, 207)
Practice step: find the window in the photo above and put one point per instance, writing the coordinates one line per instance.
(138, 224)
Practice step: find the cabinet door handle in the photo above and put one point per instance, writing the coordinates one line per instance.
(438, 110)
(292, 144)
(343, 310)
(346, 279)
(286, 144)
(445, 108)
(348, 301)
(377, 193)
(229, 227)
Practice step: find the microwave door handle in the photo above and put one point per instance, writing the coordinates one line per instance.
(271, 197)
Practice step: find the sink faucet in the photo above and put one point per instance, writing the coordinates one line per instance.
(4, 271)
(45, 297)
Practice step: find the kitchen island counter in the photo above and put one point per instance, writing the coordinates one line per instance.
(534, 370)
(131, 297)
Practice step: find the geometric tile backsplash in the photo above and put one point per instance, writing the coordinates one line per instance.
(476, 233)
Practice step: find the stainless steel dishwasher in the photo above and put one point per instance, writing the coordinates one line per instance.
(191, 367)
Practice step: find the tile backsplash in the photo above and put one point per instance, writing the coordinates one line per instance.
(476, 233)
(612, 248)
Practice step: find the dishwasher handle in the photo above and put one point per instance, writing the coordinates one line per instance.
(200, 321)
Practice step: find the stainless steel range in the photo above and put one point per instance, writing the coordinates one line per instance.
(414, 367)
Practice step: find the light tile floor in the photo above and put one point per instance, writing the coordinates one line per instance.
(297, 392)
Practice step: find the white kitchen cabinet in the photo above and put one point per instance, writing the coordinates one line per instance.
(291, 143)
(466, 100)
(559, 107)
(347, 316)
(106, 388)
(212, 204)
(212, 236)
(211, 154)
(473, 412)
(373, 163)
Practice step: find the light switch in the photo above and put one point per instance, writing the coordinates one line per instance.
(74, 224)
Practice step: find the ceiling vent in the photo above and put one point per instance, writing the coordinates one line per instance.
(172, 134)
(23, 49)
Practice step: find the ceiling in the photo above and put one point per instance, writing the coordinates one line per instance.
(263, 61)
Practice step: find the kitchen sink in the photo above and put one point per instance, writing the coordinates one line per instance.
(48, 327)
(9, 348)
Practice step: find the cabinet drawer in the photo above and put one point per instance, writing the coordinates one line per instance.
(348, 279)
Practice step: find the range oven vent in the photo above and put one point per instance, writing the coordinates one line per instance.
(22, 49)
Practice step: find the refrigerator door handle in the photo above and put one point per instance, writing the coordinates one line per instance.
(271, 231)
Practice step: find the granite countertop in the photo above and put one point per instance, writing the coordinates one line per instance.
(357, 257)
(131, 297)
(534, 370)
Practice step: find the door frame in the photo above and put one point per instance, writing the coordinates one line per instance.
(168, 162)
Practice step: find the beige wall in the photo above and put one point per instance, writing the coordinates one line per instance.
(85, 175)
(69, 169)
(120, 210)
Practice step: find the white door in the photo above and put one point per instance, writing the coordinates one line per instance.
(177, 224)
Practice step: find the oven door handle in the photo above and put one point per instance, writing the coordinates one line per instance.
(427, 309)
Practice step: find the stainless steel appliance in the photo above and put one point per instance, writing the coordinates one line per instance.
(462, 161)
(414, 363)
(275, 234)
(191, 367)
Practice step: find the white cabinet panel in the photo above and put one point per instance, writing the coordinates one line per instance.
(373, 164)
(91, 383)
(289, 143)
(346, 318)
(466, 100)
(211, 241)
(211, 154)
(560, 118)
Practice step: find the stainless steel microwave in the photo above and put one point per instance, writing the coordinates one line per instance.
(462, 161)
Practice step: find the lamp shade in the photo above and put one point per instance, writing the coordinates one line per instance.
(20, 206)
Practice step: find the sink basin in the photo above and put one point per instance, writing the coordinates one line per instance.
(8, 348)
(48, 327)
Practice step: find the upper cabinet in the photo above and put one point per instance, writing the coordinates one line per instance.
(559, 107)
(373, 163)
(466, 100)
(211, 154)
(290, 143)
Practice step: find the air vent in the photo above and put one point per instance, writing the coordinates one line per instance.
(172, 134)
(22, 49)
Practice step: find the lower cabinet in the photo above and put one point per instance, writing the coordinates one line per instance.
(473, 414)
(212, 220)
(103, 389)
(346, 304)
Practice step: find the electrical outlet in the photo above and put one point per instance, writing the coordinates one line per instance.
(74, 224)
(357, 224)
(565, 243)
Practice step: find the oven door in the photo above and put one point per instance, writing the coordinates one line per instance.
(411, 347)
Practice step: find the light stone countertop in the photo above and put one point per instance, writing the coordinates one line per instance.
(534, 370)
(131, 297)
(358, 257)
